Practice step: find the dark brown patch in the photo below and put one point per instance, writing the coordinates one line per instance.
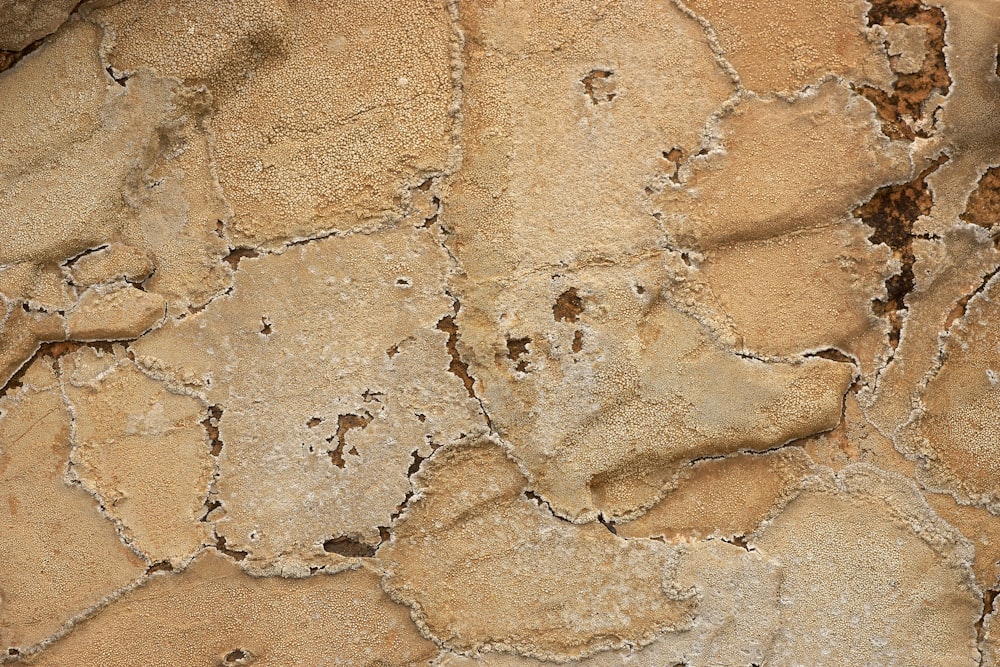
(211, 424)
(568, 306)
(161, 566)
(517, 348)
(237, 657)
(236, 254)
(10, 58)
(672, 160)
(577, 341)
(832, 354)
(989, 604)
(349, 547)
(220, 545)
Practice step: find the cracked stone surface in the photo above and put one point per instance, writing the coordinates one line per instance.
(463, 332)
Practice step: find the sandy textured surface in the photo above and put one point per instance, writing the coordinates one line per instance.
(500, 332)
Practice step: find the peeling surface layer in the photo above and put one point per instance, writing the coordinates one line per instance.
(625, 333)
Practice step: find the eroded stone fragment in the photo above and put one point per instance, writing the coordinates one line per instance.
(114, 312)
(117, 261)
(485, 567)
(786, 165)
(141, 450)
(777, 46)
(24, 21)
(870, 576)
(909, 44)
(725, 498)
(212, 613)
(58, 555)
(332, 376)
(293, 159)
(805, 291)
(956, 427)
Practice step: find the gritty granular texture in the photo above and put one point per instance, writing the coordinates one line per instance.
(460, 332)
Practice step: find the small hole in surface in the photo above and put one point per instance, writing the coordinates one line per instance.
(237, 657)
(349, 547)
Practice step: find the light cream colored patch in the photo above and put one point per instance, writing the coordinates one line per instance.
(141, 450)
(569, 109)
(58, 555)
(214, 614)
(348, 329)
(863, 550)
(471, 532)
(737, 594)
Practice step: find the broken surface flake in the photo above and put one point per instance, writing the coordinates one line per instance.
(472, 532)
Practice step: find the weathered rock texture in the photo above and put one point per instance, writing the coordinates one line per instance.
(503, 333)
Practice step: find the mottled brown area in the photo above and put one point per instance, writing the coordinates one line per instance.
(892, 212)
(568, 306)
(983, 207)
(901, 108)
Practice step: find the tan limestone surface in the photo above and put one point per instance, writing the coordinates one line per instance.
(500, 332)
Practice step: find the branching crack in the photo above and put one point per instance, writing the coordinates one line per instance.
(961, 306)
(458, 366)
(989, 604)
